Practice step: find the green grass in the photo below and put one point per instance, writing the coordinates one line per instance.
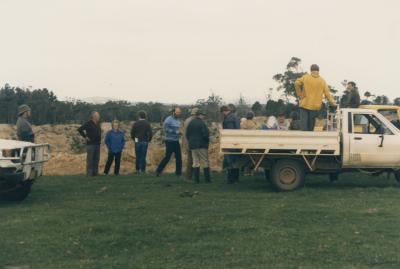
(143, 222)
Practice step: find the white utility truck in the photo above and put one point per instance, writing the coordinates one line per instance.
(20, 164)
(354, 140)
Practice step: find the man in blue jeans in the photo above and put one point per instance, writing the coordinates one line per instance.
(172, 127)
(141, 134)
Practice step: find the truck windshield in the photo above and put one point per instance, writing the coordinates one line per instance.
(391, 115)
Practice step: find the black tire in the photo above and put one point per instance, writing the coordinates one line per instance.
(16, 193)
(287, 175)
(333, 177)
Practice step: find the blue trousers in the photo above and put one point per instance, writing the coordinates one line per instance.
(141, 154)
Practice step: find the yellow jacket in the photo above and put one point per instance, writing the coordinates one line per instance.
(310, 89)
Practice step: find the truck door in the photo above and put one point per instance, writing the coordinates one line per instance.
(372, 143)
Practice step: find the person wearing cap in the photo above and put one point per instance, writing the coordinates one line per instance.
(91, 131)
(230, 121)
(115, 142)
(24, 127)
(310, 89)
(198, 138)
(172, 133)
(185, 144)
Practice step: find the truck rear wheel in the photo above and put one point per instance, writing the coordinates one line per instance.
(287, 175)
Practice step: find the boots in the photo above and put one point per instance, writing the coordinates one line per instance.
(207, 175)
(236, 174)
(196, 172)
(229, 176)
(233, 175)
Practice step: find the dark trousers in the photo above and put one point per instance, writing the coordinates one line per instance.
(92, 160)
(307, 119)
(141, 154)
(172, 147)
(110, 160)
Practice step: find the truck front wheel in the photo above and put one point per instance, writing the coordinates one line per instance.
(287, 175)
(16, 193)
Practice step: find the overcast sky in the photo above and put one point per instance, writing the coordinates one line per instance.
(177, 51)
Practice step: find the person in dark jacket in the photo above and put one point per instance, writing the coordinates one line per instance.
(141, 134)
(294, 122)
(172, 133)
(351, 97)
(91, 131)
(24, 127)
(198, 138)
(115, 142)
(230, 122)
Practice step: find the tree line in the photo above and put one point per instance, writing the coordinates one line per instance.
(48, 109)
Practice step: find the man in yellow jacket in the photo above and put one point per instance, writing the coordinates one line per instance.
(310, 89)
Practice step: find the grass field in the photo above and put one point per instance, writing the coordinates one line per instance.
(144, 222)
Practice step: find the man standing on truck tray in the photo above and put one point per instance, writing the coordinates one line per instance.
(351, 96)
(141, 134)
(171, 131)
(91, 131)
(230, 122)
(198, 137)
(185, 144)
(24, 128)
(310, 90)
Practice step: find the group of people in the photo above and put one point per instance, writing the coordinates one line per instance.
(196, 140)
(310, 90)
(141, 133)
(272, 123)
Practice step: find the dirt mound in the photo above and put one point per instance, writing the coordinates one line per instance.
(68, 149)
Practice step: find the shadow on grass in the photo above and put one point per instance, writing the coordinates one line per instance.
(351, 180)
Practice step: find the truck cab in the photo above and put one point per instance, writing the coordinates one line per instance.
(370, 140)
(20, 164)
(354, 140)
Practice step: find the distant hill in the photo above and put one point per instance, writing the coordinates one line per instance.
(98, 100)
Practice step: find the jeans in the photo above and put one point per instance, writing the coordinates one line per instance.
(172, 147)
(92, 160)
(110, 159)
(307, 119)
(141, 154)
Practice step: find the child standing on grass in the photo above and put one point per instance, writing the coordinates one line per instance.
(115, 141)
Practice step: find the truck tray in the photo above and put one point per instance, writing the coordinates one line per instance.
(279, 142)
